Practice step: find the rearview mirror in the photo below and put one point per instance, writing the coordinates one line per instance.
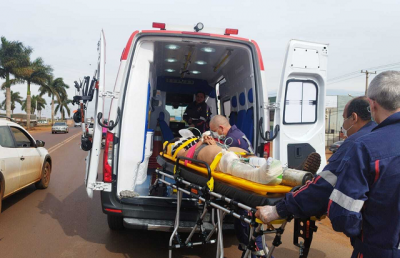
(40, 143)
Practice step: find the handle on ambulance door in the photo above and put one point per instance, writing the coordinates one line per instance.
(111, 124)
(267, 137)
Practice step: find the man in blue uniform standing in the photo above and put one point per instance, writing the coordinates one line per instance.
(198, 113)
(233, 136)
(364, 201)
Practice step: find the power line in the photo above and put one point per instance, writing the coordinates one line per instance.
(370, 68)
(358, 75)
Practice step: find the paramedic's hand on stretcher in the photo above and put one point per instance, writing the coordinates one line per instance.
(267, 213)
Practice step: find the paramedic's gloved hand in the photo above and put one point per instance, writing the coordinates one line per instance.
(267, 213)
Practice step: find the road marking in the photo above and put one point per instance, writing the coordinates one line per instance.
(55, 147)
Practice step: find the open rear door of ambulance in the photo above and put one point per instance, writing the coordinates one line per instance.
(301, 104)
(93, 157)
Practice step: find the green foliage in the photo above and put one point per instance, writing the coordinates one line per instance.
(15, 98)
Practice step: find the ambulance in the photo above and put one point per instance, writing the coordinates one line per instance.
(160, 72)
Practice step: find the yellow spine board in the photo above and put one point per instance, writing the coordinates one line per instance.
(236, 181)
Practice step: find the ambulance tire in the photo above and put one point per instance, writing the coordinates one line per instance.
(115, 222)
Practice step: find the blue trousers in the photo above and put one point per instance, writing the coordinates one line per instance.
(242, 230)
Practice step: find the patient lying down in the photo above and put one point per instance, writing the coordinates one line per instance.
(206, 150)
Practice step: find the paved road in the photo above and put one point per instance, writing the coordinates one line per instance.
(62, 221)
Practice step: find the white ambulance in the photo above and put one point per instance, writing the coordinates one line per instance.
(161, 70)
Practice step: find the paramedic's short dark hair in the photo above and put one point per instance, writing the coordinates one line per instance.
(202, 92)
(359, 106)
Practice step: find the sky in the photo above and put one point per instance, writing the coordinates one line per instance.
(360, 34)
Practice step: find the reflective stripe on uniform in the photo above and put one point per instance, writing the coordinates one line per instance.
(202, 118)
(346, 202)
(329, 177)
(250, 149)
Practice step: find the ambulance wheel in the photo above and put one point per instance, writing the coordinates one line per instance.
(115, 222)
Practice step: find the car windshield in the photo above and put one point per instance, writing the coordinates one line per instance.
(59, 124)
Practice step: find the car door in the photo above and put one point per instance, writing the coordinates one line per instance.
(10, 163)
(301, 104)
(29, 156)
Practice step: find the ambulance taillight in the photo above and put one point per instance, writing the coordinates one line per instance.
(107, 159)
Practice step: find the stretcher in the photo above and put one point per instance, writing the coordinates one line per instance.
(223, 194)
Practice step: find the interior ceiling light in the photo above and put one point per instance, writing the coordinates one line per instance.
(200, 62)
(172, 46)
(170, 70)
(195, 72)
(171, 60)
(208, 49)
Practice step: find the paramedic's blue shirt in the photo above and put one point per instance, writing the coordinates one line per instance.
(312, 199)
(237, 138)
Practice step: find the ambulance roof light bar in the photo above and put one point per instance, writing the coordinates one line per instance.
(159, 25)
(231, 31)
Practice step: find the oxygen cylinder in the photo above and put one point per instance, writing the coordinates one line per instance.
(293, 177)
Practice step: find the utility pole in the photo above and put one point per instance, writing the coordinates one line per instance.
(367, 73)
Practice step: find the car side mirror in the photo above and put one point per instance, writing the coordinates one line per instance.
(40, 143)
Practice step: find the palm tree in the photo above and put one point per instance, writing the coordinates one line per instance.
(15, 98)
(53, 87)
(37, 103)
(62, 106)
(37, 73)
(13, 56)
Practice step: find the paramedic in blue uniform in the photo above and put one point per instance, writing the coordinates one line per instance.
(232, 135)
(198, 113)
(364, 202)
(220, 126)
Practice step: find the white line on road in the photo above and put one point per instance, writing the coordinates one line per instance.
(55, 147)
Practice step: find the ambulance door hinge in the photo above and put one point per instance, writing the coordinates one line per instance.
(272, 106)
(100, 186)
(109, 94)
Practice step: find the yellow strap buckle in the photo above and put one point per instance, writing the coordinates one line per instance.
(210, 184)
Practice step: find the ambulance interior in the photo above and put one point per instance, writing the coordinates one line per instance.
(181, 67)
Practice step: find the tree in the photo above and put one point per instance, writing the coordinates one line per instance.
(62, 106)
(13, 56)
(36, 73)
(53, 88)
(15, 98)
(37, 103)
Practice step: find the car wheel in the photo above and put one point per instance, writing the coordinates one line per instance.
(45, 179)
(115, 222)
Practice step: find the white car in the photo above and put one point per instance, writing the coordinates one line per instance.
(23, 161)
(90, 129)
(59, 127)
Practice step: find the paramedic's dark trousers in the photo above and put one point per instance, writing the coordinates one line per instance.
(242, 230)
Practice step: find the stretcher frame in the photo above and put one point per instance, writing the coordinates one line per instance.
(221, 205)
